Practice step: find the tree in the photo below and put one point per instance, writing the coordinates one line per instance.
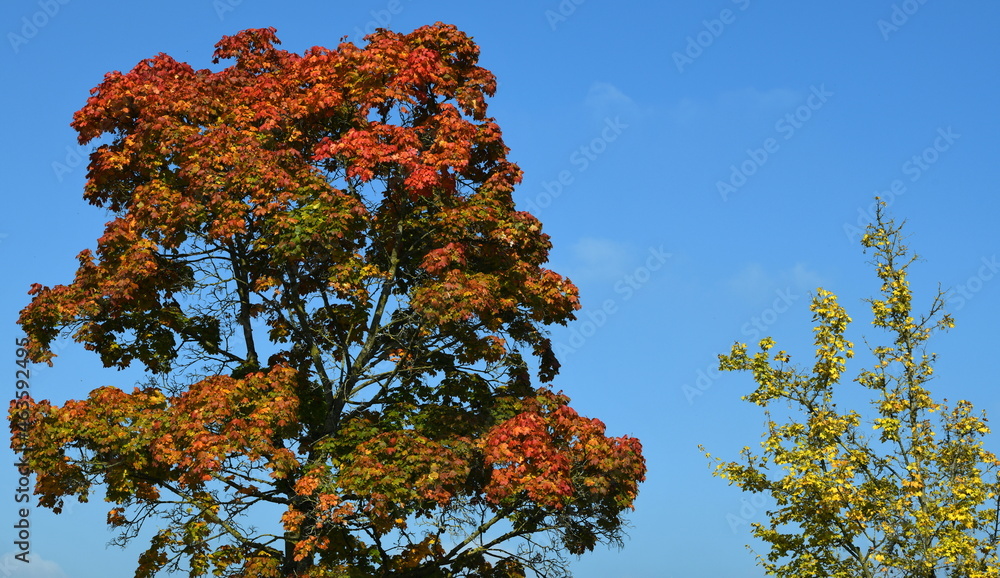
(906, 490)
(317, 260)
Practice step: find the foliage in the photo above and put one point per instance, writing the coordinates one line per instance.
(912, 493)
(318, 261)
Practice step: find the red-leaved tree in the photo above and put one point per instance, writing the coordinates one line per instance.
(318, 261)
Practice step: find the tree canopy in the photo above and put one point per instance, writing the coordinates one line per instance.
(318, 261)
(904, 490)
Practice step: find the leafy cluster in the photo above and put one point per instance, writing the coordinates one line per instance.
(318, 261)
(910, 492)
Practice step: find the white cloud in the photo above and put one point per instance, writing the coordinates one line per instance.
(686, 111)
(805, 279)
(756, 285)
(38, 567)
(740, 103)
(759, 100)
(600, 259)
(604, 100)
(752, 282)
(603, 94)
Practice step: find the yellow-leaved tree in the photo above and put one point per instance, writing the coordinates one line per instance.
(905, 489)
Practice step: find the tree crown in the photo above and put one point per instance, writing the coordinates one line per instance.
(318, 261)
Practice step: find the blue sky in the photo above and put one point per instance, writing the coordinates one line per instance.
(699, 166)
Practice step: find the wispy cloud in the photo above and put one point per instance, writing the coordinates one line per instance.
(758, 100)
(600, 259)
(756, 284)
(38, 567)
(605, 100)
(742, 102)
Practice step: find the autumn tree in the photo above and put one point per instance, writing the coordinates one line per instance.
(904, 489)
(317, 260)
